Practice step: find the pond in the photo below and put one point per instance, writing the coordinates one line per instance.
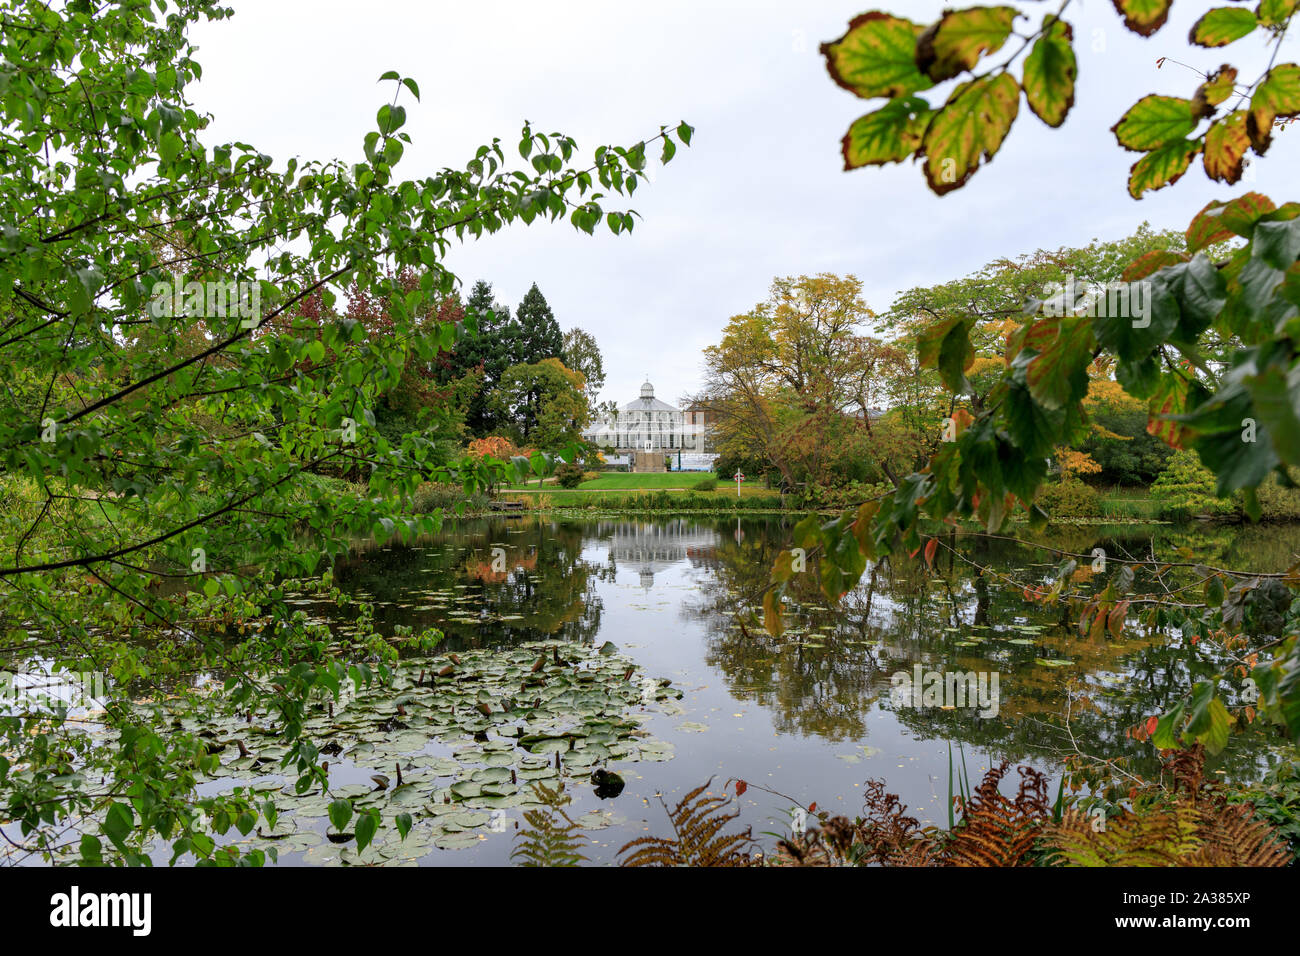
(576, 645)
(814, 713)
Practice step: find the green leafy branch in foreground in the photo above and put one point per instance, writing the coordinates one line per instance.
(167, 471)
(882, 55)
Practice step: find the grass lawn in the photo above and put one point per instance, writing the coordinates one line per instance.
(654, 481)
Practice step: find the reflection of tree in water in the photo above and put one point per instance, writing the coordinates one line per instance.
(546, 590)
(901, 614)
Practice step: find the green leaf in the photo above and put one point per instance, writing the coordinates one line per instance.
(971, 125)
(1214, 591)
(1277, 405)
(403, 824)
(367, 823)
(92, 851)
(1050, 71)
(1222, 26)
(1275, 12)
(888, 135)
(340, 812)
(1155, 121)
(1161, 167)
(169, 147)
(118, 823)
(877, 57)
(946, 346)
(955, 43)
(1144, 17)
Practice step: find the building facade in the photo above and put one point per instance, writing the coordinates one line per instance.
(648, 426)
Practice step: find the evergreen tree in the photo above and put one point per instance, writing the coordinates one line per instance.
(493, 351)
(539, 334)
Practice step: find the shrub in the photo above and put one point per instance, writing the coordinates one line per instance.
(430, 497)
(570, 475)
(1186, 489)
(708, 484)
(1069, 498)
(1277, 503)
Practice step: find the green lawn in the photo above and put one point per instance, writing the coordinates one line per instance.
(627, 481)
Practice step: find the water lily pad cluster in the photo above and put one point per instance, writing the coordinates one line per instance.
(453, 741)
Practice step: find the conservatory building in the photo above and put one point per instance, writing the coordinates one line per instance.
(647, 426)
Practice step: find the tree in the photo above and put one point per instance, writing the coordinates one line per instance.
(492, 349)
(793, 379)
(582, 354)
(128, 463)
(539, 335)
(545, 404)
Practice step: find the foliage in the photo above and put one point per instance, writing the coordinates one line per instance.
(1195, 826)
(1208, 337)
(890, 57)
(699, 838)
(539, 334)
(570, 475)
(543, 404)
(1185, 489)
(187, 429)
(793, 384)
(1276, 799)
(582, 354)
(708, 484)
(1069, 498)
(551, 837)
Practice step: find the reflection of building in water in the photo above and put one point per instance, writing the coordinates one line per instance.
(648, 548)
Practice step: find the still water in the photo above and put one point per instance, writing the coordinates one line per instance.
(814, 713)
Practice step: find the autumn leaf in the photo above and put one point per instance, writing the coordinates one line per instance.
(877, 57)
(1226, 143)
(1214, 91)
(1161, 167)
(1154, 121)
(1277, 96)
(955, 43)
(1143, 17)
(1149, 262)
(887, 135)
(1222, 25)
(1222, 220)
(971, 125)
(1050, 72)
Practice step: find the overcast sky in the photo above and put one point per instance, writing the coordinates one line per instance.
(761, 193)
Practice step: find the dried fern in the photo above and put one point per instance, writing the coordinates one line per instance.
(995, 831)
(698, 822)
(545, 840)
(1208, 833)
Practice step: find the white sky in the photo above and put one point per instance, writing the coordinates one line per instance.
(761, 193)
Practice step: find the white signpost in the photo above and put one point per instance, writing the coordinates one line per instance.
(739, 478)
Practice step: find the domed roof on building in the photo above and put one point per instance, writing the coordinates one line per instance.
(647, 402)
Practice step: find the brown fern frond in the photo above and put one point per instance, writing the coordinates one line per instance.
(995, 831)
(1231, 835)
(888, 835)
(1186, 768)
(698, 839)
(1179, 834)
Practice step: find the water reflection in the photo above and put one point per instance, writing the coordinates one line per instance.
(828, 678)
